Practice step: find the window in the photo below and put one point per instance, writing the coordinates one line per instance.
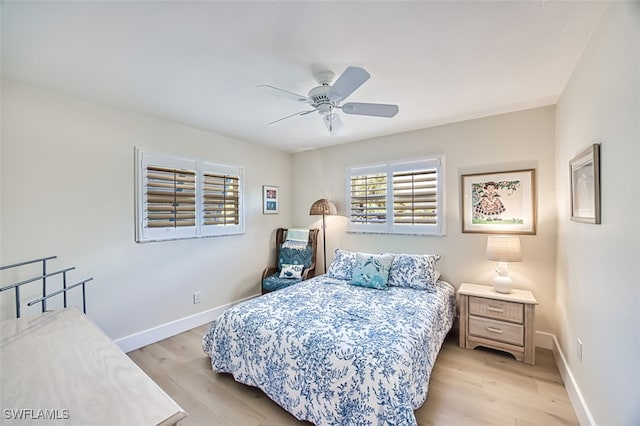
(368, 198)
(397, 197)
(221, 200)
(183, 198)
(221, 212)
(171, 197)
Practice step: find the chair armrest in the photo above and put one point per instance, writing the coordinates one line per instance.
(310, 272)
(269, 271)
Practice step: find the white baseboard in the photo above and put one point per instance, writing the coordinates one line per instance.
(164, 331)
(575, 396)
(544, 340)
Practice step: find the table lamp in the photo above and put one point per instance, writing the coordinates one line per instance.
(503, 249)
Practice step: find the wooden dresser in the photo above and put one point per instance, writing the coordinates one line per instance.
(503, 321)
(60, 368)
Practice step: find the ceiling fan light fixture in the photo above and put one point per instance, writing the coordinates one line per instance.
(333, 123)
(325, 109)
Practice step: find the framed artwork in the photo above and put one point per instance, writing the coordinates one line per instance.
(585, 185)
(499, 203)
(270, 199)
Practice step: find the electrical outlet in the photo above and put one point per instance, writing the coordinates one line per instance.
(579, 350)
(196, 297)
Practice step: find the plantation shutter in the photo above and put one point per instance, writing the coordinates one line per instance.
(221, 199)
(171, 197)
(400, 197)
(415, 197)
(368, 198)
(183, 198)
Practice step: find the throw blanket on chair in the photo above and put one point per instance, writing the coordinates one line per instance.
(297, 239)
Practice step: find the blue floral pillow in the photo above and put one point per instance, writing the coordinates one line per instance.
(342, 266)
(417, 271)
(372, 270)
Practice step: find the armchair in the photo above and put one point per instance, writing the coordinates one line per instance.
(274, 279)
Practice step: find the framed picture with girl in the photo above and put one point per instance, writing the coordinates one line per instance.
(499, 202)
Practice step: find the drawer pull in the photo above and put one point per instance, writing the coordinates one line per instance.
(494, 330)
(492, 309)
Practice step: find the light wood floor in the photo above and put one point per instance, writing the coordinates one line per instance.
(467, 387)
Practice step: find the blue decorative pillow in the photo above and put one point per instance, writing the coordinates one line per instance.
(372, 270)
(342, 266)
(295, 256)
(414, 271)
(291, 271)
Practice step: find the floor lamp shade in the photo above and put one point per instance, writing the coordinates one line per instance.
(323, 207)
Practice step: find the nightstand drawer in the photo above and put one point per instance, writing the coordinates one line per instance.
(507, 311)
(496, 330)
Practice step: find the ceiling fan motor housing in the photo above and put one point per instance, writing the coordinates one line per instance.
(321, 100)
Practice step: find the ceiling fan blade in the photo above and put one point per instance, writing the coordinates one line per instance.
(292, 115)
(350, 80)
(376, 110)
(285, 93)
(333, 123)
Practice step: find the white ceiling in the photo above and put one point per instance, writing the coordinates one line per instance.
(198, 63)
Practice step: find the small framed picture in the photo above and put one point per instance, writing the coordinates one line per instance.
(270, 199)
(499, 203)
(585, 185)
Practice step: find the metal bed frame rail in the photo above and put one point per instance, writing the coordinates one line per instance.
(43, 300)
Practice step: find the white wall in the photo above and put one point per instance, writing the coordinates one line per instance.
(598, 276)
(68, 190)
(504, 142)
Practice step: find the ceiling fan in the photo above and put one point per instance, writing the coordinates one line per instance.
(326, 98)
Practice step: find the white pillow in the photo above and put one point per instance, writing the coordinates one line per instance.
(291, 271)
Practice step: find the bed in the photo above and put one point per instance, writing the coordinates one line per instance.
(334, 353)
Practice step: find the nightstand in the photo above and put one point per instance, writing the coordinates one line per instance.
(503, 321)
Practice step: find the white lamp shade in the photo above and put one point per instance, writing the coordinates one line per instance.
(504, 248)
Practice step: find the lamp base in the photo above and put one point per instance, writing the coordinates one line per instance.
(502, 283)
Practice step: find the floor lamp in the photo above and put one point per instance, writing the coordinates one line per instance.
(323, 207)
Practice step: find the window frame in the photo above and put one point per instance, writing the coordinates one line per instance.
(389, 168)
(143, 233)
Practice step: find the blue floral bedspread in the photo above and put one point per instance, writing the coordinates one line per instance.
(336, 354)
